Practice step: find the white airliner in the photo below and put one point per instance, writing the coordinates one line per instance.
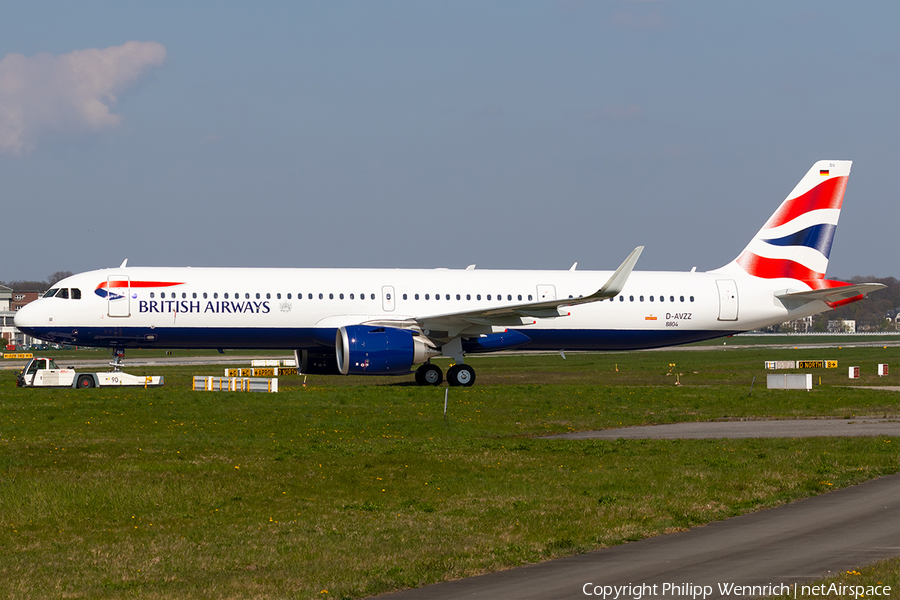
(385, 321)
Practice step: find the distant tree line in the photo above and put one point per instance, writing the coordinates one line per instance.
(36, 286)
(875, 313)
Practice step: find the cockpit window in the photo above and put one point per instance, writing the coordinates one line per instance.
(50, 293)
(76, 294)
(63, 293)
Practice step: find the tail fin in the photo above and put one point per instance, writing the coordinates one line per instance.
(796, 240)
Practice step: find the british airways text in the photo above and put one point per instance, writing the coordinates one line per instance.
(218, 307)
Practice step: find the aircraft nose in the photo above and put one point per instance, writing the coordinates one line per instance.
(28, 317)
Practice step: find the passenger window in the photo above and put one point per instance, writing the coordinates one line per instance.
(437, 296)
(416, 296)
(404, 296)
(447, 296)
(520, 296)
(509, 296)
(651, 298)
(631, 298)
(692, 298)
(204, 295)
(468, 296)
(621, 298)
(427, 297)
(341, 296)
(298, 296)
(529, 297)
(458, 297)
(321, 297)
(642, 298)
(215, 295)
(151, 294)
(225, 295)
(247, 295)
(671, 298)
(488, 296)
(331, 296)
(373, 296)
(184, 295)
(478, 296)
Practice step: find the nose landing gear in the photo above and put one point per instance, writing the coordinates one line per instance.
(118, 362)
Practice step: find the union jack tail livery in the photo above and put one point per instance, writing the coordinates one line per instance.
(796, 240)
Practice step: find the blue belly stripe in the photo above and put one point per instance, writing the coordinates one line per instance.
(277, 338)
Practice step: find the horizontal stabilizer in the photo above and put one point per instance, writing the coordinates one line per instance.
(835, 296)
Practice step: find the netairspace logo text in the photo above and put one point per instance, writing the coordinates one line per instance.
(697, 592)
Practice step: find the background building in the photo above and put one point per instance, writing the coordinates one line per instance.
(10, 302)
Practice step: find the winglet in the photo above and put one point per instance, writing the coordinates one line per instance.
(617, 281)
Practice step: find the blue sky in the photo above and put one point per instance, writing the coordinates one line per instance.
(438, 134)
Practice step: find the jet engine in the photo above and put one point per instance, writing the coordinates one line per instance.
(366, 350)
(316, 362)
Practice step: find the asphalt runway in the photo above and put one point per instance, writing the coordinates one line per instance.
(797, 542)
(761, 428)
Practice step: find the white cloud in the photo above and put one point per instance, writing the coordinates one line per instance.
(70, 92)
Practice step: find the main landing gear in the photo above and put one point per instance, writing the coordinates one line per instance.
(457, 375)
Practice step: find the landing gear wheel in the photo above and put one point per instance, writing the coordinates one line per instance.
(85, 381)
(461, 375)
(429, 375)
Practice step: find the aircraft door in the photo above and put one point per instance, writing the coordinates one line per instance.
(546, 292)
(118, 296)
(728, 299)
(387, 298)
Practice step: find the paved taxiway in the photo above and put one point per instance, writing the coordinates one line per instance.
(758, 428)
(793, 543)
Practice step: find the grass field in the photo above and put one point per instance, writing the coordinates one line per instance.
(867, 582)
(349, 487)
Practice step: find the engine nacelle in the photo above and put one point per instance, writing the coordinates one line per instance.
(316, 362)
(366, 350)
(493, 342)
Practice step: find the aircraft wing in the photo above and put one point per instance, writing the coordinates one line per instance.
(452, 324)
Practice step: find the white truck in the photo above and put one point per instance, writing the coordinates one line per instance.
(43, 372)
